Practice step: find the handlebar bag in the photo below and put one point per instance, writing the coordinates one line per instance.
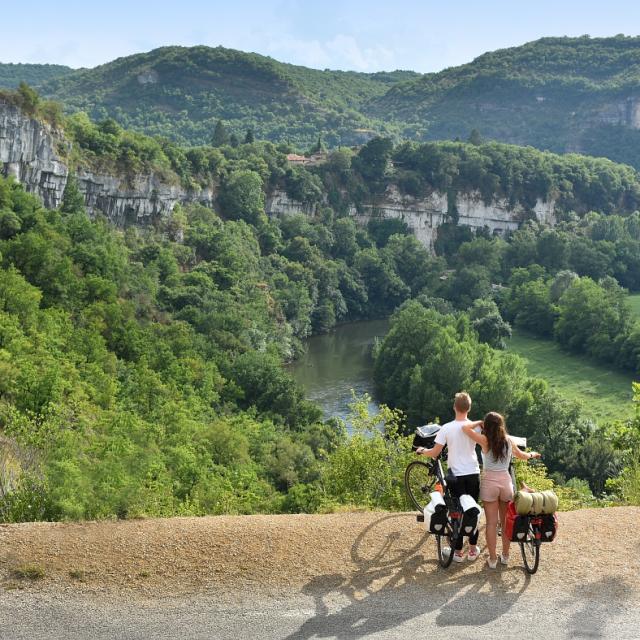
(425, 436)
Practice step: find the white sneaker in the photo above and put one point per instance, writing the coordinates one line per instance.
(504, 559)
(492, 564)
(458, 558)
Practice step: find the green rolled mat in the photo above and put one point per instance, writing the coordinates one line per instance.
(545, 502)
(550, 504)
(523, 502)
(538, 501)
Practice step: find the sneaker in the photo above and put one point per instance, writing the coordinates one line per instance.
(474, 554)
(458, 558)
(504, 559)
(492, 564)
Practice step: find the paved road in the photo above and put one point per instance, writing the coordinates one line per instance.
(405, 612)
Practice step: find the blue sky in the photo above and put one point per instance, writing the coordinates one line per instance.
(422, 35)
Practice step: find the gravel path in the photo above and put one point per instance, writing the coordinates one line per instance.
(350, 575)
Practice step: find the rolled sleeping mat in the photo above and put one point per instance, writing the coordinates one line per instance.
(550, 502)
(538, 501)
(524, 502)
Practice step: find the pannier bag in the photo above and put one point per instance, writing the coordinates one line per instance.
(516, 526)
(470, 515)
(535, 503)
(437, 504)
(548, 527)
(425, 436)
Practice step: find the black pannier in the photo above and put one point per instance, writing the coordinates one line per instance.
(520, 528)
(425, 436)
(438, 521)
(548, 527)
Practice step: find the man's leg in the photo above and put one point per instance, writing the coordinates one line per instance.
(472, 487)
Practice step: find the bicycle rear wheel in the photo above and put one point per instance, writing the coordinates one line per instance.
(419, 482)
(445, 553)
(530, 550)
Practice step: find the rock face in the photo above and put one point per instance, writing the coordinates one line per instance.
(425, 215)
(28, 152)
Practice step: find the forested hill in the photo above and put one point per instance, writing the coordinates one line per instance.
(181, 92)
(11, 75)
(561, 94)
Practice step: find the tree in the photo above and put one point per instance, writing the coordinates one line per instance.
(475, 138)
(242, 197)
(29, 98)
(248, 138)
(220, 135)
(72, 199)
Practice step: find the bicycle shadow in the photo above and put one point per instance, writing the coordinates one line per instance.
(409, 579)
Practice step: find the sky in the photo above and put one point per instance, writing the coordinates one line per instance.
(424, 36)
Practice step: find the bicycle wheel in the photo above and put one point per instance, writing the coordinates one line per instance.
(530, 550)
(445, 553)
(418, 481)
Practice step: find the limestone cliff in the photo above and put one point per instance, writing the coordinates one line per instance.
(425, 215)
(30, 152)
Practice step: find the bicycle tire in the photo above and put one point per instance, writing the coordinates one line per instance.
(443, 559)
(530, 550)
(419, 483)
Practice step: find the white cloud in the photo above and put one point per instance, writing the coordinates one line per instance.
(340, 52)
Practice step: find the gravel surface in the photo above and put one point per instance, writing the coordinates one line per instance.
(349, 575)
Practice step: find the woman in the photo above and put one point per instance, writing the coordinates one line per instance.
(496, 488)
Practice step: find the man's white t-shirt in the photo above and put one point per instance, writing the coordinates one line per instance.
(462, 457)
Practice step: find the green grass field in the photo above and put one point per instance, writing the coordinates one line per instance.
(634, 303)
(605, 393)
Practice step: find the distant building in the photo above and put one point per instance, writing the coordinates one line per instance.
(294, 158)
(313, 159)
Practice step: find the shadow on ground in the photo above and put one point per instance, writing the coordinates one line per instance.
(393, 584)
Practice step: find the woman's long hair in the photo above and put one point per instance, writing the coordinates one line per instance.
(496, 432)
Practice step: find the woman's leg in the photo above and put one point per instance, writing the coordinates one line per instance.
(491, 514)
(506, 543)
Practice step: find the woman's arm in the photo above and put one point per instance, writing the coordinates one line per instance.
(523, 455)
(469, 429)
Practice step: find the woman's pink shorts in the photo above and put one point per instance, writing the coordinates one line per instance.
(496, 485)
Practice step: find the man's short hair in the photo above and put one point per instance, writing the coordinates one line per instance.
(462, 402)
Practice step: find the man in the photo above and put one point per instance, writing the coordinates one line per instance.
(463, 463)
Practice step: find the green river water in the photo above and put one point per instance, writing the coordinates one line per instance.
(337, 363)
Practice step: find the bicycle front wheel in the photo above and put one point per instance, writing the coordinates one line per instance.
(419, 482)
(530, 550)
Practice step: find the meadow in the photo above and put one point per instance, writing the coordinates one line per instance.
(604, 392)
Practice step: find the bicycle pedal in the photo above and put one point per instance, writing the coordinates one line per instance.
(420, 517)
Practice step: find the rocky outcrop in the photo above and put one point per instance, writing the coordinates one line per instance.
(29, 153)
(425, 215)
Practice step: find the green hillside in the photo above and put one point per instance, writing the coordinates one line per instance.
(559, 94)
(181, 92)
(11, 75)
(562, 94)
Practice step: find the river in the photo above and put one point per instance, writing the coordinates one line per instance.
(337, 362)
